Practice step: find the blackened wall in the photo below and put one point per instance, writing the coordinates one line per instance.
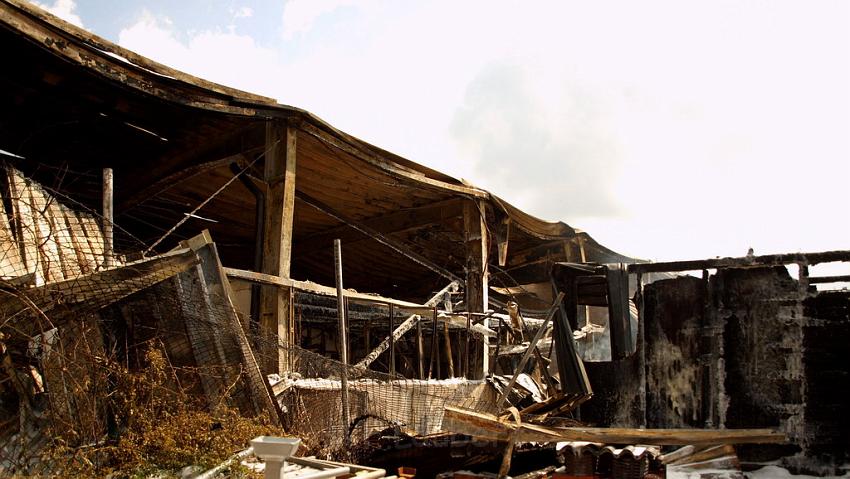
(674, 376)
(746, 348)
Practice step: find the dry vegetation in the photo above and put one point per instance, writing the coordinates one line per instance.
(158, 430)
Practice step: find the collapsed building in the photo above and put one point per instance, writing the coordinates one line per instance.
(141, 205)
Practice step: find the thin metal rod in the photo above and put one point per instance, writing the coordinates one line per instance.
(108, 218)
(343, 340)
(531, 346)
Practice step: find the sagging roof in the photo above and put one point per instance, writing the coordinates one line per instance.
(75, 103)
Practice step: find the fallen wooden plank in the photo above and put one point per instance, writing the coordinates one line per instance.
(464, 421)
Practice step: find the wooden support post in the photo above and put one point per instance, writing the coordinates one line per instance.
(435, 348)
(343, 340)
(420, 349)
(475, 235)
(448, 341)
(584, 320)
(466, 346)
(279, 174)
(108, 218)
(392, 340)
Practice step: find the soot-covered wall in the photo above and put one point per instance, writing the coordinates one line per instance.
(745, 348)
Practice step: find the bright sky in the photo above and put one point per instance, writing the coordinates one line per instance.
(667, 130)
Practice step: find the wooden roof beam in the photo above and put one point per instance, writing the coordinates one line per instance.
(387, 224)
(394, 244)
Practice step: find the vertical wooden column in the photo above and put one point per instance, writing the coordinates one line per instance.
(108, 217)
(279, 174)
(475, 235)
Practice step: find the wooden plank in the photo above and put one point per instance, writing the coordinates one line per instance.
(464, 421)
(216, 283)
(108, 218)
(315, 288)
(94, 236)
(48, 249)
(78, 242)
(64, 241)
(25, 225)
(741, 262)
(11, 265)
(829, 279)
(279, 174)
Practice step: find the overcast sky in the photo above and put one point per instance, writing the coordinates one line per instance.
(667, 130)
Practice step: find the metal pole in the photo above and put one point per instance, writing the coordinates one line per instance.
(420, 349)
(392, 340)
(108, 254)
(435, 348)
(343, 340)
(466, 347)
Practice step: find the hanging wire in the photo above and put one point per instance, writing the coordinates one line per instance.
(191, 214)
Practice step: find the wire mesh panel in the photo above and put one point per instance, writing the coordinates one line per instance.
(86, 348)
(312, 401)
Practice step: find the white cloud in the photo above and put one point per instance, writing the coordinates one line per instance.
(222, 56)
(64, 9)
(244, 12)
(665, 129)
(300, 15)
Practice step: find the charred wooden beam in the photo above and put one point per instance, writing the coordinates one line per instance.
(394, 244)
(829, 279)
(279, 174)
(485, 425)
(108, 219)
(387, 224)
(741, 262)
(310, 287)
(477, 275)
